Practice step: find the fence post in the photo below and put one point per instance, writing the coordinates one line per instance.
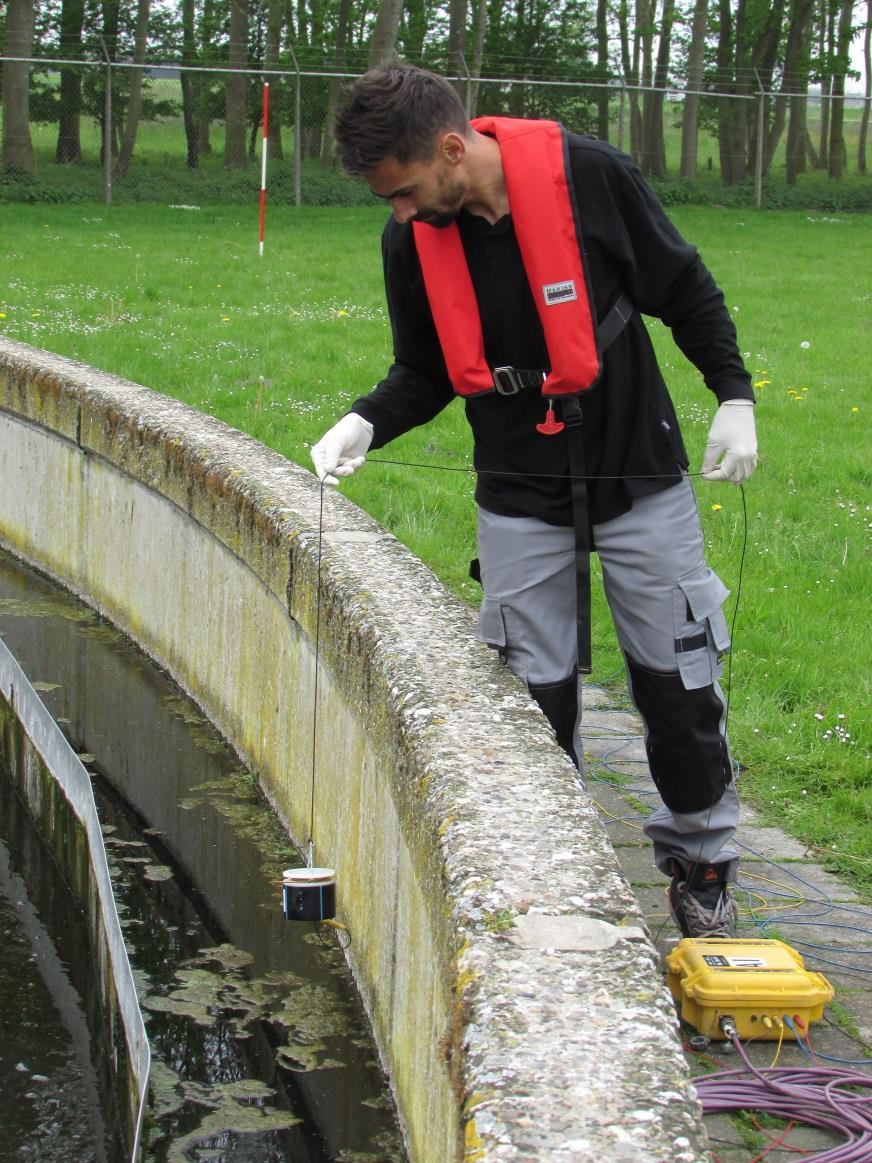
(761, 129)
(107, 128)
(298, 121)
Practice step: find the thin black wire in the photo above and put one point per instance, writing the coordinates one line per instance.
(739, 580)
(557, 476)
(310, 843)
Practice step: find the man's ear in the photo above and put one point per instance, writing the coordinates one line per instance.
(452, 145)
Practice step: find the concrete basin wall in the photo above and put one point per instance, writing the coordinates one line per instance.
(514, 994)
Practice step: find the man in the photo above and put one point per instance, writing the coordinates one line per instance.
(517, 263)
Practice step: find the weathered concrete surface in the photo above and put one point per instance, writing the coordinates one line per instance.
(513, 990)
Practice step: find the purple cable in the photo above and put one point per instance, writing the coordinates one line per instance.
(820, 1096)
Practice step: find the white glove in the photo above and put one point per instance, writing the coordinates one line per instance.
(342, 450)
(733, 436)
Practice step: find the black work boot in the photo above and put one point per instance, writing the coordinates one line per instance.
(700, 901)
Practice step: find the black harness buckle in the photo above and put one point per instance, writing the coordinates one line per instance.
(509, 381)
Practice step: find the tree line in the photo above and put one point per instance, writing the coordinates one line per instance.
(747, 69)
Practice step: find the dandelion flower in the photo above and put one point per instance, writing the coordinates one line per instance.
(762, 383)
(855, 409)
(717, 508)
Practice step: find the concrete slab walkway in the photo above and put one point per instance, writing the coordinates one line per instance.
(783, 891)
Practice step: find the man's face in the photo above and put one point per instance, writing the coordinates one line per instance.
(424, 191)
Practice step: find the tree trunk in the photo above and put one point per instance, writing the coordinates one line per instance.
(812, 152)
(383, 46)
(864, 117)
(825, 48)
(339, 58)
(458, 11)
(695, 64)
(210, 23)
(732, 164)
(69, 147)
(602, 70)
(794, 91)
(626, 65)
(235, 156)
(630, 69)
(191, 85)
(653, 158)
(134, 108)
(479, 30)
(797, 138)
(414, 14)
(17, 149)
(642, 72)
(109, 38)
(763, 58)
(838, 149)
(275, 21)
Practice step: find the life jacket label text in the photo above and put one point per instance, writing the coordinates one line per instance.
(559, 293)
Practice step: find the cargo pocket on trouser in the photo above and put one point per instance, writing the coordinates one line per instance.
(701, 633)
(491, 630)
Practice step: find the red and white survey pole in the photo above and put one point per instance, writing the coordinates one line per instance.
(263, 162)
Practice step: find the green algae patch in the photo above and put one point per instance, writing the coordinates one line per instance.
(46, 607)
(307, 1017)
(225, 955)
(200, 730)
(237, 1108)
(180, 1008)
(237, 797)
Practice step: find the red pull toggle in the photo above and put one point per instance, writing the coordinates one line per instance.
(551, 426)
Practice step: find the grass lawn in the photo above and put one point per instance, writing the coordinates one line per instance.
(279, 346)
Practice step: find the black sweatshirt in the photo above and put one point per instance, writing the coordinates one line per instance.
(630, 428)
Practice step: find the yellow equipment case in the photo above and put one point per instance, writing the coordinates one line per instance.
(756, 983)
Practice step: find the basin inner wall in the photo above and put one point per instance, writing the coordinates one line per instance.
(450, 815)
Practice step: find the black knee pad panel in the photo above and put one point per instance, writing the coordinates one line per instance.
(687, 752)
(559, 701)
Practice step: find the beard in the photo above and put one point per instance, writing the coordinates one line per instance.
(438, 218)
(445, 211)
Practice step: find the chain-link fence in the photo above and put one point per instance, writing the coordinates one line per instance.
(161, 133)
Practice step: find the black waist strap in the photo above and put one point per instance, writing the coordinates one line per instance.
(572, 418)
(509, 381)
(608, 331)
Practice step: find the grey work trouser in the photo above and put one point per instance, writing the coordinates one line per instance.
(666, 606)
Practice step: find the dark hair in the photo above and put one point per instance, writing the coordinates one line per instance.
(395, 112)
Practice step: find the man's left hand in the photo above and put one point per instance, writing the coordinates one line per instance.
(731, 451)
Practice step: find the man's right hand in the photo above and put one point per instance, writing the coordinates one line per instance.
(342, 450)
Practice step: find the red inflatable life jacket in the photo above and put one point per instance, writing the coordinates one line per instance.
(533, 157)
